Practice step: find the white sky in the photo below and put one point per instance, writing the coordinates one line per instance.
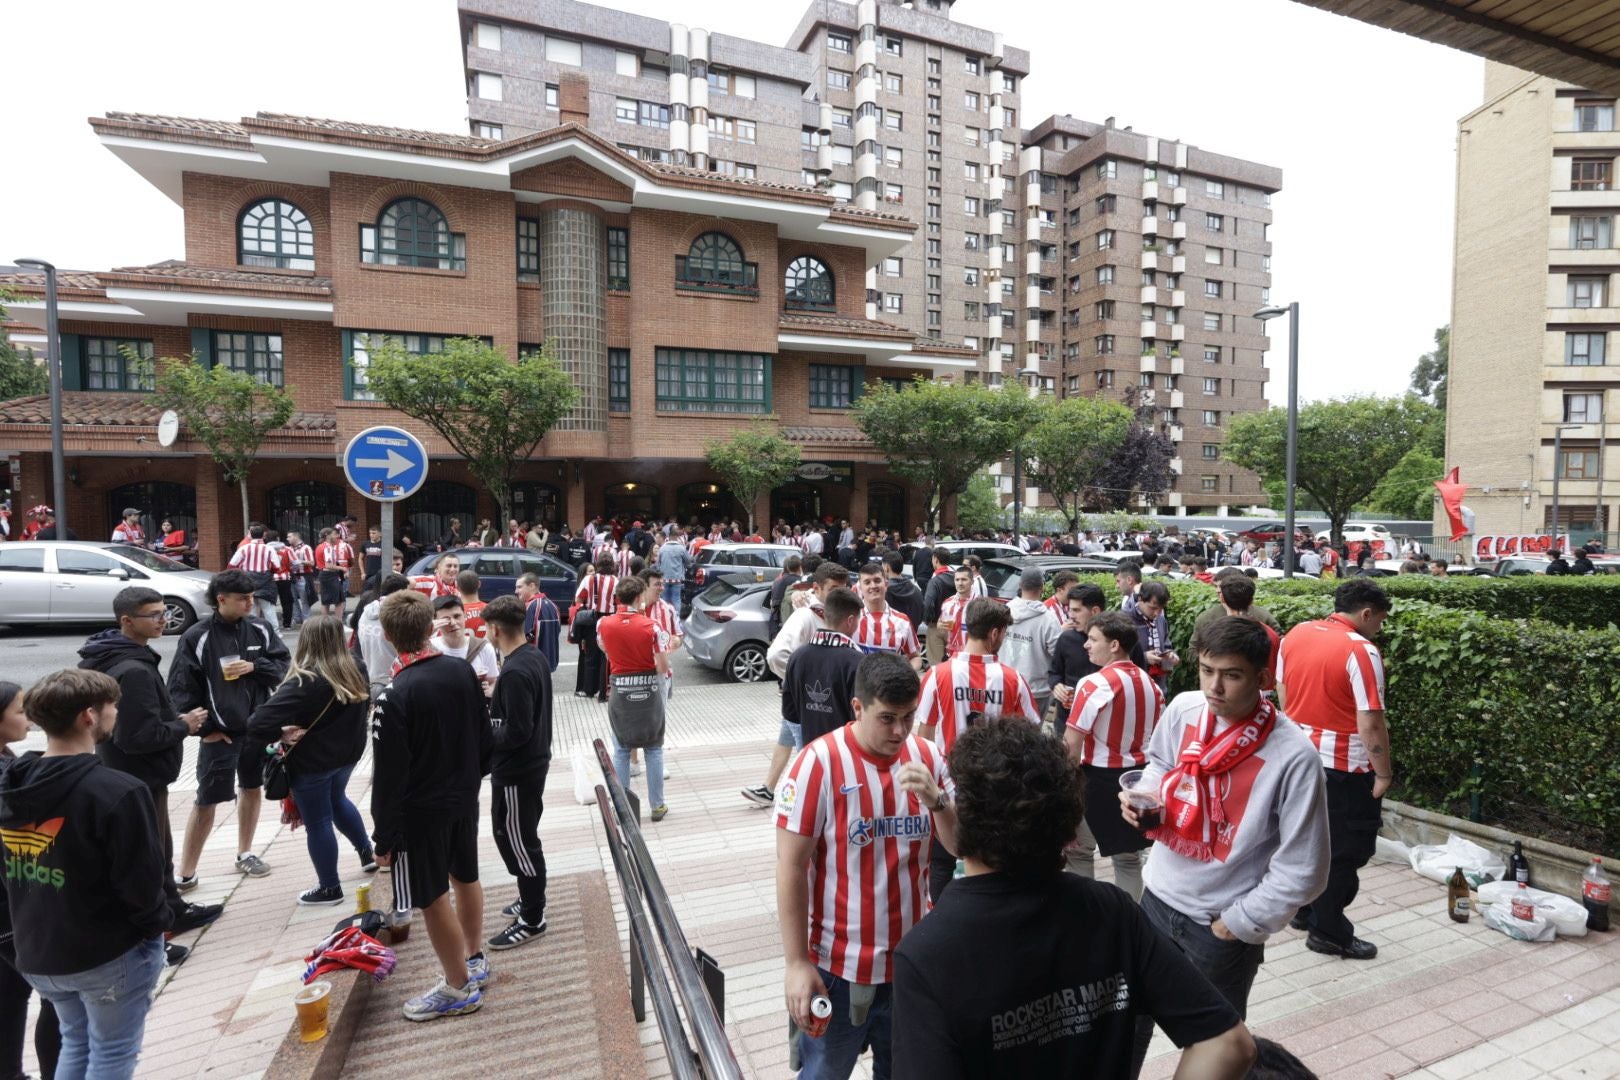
(1362, 122)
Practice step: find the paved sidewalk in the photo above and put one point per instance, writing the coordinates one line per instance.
(1441, 1001)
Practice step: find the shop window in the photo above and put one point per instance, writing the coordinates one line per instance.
(307, 507)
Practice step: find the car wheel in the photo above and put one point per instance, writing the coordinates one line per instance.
(746, 662)
(177, 615)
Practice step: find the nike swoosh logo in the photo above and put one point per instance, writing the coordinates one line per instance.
(849, 789)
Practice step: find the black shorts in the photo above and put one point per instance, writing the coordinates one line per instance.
(431, 856)
(332, 587)
(1114, 835)
(222, 767)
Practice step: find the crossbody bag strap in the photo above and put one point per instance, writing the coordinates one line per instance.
(286, 750)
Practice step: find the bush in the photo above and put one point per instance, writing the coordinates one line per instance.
(1591, 602)
(1533, 706)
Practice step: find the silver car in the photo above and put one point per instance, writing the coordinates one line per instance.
(70, 581)
(729, 628)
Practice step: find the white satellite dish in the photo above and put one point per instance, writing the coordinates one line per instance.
(168, 427)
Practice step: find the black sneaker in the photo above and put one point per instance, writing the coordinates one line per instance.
(191, 916)
(516, 934)
(1356, 950)
(185, 884)
(513, 910)
(174, 955)
(1299, 922)
(759, 796)
(368, 861)
(319, 897)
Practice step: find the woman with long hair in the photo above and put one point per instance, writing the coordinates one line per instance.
(14, 989)
(319, 714)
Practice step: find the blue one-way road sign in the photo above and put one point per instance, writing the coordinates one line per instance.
(385, 463)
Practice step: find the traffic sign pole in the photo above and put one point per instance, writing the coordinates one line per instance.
(388, 543)
(386, 465)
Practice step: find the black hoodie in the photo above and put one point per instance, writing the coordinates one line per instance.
(149, 738)
(906, 598)
(84, 868)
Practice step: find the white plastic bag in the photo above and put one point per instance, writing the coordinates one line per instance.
(1437, 861)
(1566, 916)
(1500, 917)
(584, 789)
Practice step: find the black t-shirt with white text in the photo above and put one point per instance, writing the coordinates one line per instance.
(1011, 977)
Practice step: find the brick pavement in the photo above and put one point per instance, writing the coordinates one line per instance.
(1441, 1001)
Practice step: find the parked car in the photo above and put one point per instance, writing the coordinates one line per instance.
(1364, 531)
(499, 568)
(1001, 575)
(960, 550)
(69, 581)
(1271, 532)
(729, 628)
(763, 562)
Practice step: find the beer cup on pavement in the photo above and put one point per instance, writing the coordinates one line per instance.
(1144, 799)
(311, 1003)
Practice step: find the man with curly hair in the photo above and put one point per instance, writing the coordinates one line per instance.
(1023, 970)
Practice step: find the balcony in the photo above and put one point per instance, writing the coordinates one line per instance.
(1149, 362)
(1178, 196)
(1150, 226)
(1583, 316)
(1582, 200)
(1177, 433)
(1150, 330)
(1175, 462)
(1150, 295)
(744, 282)
(1176, 399)
(1178, 298)
(1150, 191)
(1178, 332)
(1178, 366)
(1150, 260)
(1566, 373)
(1585, 140)
(1178, 230)
(1607, 258)
(1178, 264)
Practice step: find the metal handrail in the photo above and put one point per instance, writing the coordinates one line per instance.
(676, 1048)
(714, 1051)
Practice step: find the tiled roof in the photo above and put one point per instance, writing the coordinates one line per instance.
(941, 346)
(229, 277)
(836, 324)
(91, 409)
(850, 435)
(225, 133)
(65, 279)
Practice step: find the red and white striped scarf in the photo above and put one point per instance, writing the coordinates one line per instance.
(1191, 790)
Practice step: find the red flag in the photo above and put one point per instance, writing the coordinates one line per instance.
(1451, 496)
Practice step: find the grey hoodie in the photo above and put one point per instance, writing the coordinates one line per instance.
(1030, 642)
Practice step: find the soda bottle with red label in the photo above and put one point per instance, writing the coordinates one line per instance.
(1595, 895)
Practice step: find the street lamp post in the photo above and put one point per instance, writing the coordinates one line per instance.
(1558, 469)
(1027, 377)
(1290, 465)
(53, 362)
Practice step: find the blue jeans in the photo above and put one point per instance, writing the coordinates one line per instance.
(672, 594)
(833, 1056)
(654, 756)
(103, 1012)
(323, 801)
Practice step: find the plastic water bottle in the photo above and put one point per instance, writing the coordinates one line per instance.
(1595, 894)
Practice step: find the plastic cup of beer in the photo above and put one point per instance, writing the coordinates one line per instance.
(1144, 799)
(225, 663)
(311, 1003)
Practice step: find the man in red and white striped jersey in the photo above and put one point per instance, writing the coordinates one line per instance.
(1114, 712)
(854, 817)
(333, 557)
(1331, 681)
(596, 590)
(1058, 603)
(259, 563)
(953, 612)
(971, 687)
(665, 617)
(442, 582)
(881, 627)
(624, 561)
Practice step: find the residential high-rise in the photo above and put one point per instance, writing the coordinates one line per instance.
(893, 105)
(1533, 306)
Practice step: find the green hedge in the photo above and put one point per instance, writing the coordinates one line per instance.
(1533, 705)
(1592, 602)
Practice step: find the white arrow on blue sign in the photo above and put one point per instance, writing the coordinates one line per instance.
(386, 464)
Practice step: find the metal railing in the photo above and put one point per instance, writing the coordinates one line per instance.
(697, 978)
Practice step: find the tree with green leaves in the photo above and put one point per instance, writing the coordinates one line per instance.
(1345, 447)
(229, 412)
(1069, 446)
(21, 374)
(492, 411)
(937, 435)
(978, 508)
(1407, 491)
(753, 461)
(1433, 370)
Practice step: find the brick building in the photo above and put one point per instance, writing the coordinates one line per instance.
(684, 304)
(893, 104)
(1533, 306)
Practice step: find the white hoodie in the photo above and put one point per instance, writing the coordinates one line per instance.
(1030, 642)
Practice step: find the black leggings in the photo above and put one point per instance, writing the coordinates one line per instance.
(14, 991)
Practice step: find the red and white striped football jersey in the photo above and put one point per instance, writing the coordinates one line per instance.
(596, 593)
(303, 558)
(334, 556)
(886, 631)
(1329, 672)
(1116, 709)
(283, 564)
(952, 620)
(255, 557)
(1058, 607)
(126, 533)
(663, 615)
(624, 556)
(869, 872)
(431, 587)
(971, 683)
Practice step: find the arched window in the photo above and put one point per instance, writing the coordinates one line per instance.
(274, 232)
(413, 232)
(306, 507)
(809, 284)
(630, 501)
(714, 261)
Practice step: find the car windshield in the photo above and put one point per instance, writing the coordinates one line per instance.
(997, 576)
(149, 560)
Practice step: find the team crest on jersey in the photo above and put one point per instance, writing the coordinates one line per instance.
(911, 828)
